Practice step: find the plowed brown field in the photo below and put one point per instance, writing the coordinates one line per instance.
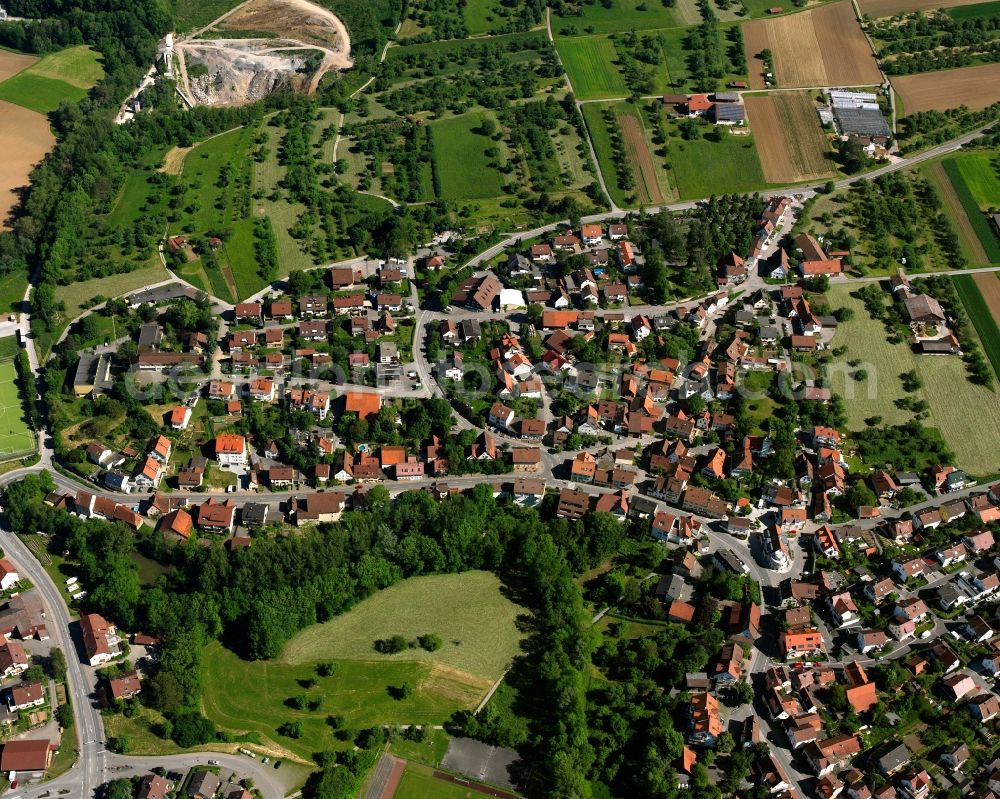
(976, 87)
(643, 168)
(12, 63)
(25, 138)
(887, 8)
(822, 47)
(790, 140)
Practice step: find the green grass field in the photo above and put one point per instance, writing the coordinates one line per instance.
(37, 93)
(66, 75)
(78, 66)
(12, 288)
(700, 168)
(16, 437)
(467, 610)
(980, 224)
(590, 64)
(421, 784)
(460, 159)
(980, 171)
(600, 137)
(978, 11)
(982, 319)
(618, 16)
(967, 415)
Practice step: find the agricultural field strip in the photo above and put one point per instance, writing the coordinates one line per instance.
(977, 219)
(976, 87)
(948, 193)
(981, 313)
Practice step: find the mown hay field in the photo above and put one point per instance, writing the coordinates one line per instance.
(821, 47)
(790, 140)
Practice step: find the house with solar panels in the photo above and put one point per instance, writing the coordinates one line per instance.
(728, 109)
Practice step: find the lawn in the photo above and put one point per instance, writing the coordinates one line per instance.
(16, 438)
(463, 169)
(618, 16)
(982, 318)
(986, 187)
(468, 611)
(590, 64)
(967, 415)
(78, 296)
(701, 167)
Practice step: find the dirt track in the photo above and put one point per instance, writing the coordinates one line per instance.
(822, 47)
(25, 138)
(976, 87)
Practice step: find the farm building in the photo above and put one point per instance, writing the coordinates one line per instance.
(858, 114)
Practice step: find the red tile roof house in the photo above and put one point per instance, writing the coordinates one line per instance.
(318, 508)
(216, 515)
(13, 659)
(25, 695)
(29, 758)
(153, 786)
(124, 687)
(825, 756)
(100, 639)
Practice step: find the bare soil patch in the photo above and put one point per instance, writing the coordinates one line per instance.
(643, 167)
(956, 213)
(975, 87)
(790, 140)
(888, 8)
(242, 70)
(821, 47)
(12, 63)
(25, 138)
(989, 286)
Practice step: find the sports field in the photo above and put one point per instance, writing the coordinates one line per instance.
(821, 47)
(15, 435)
(790, 140)
(460, 159)
(590, 63)
(967, 415)
(975, 87)
(419, 783)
